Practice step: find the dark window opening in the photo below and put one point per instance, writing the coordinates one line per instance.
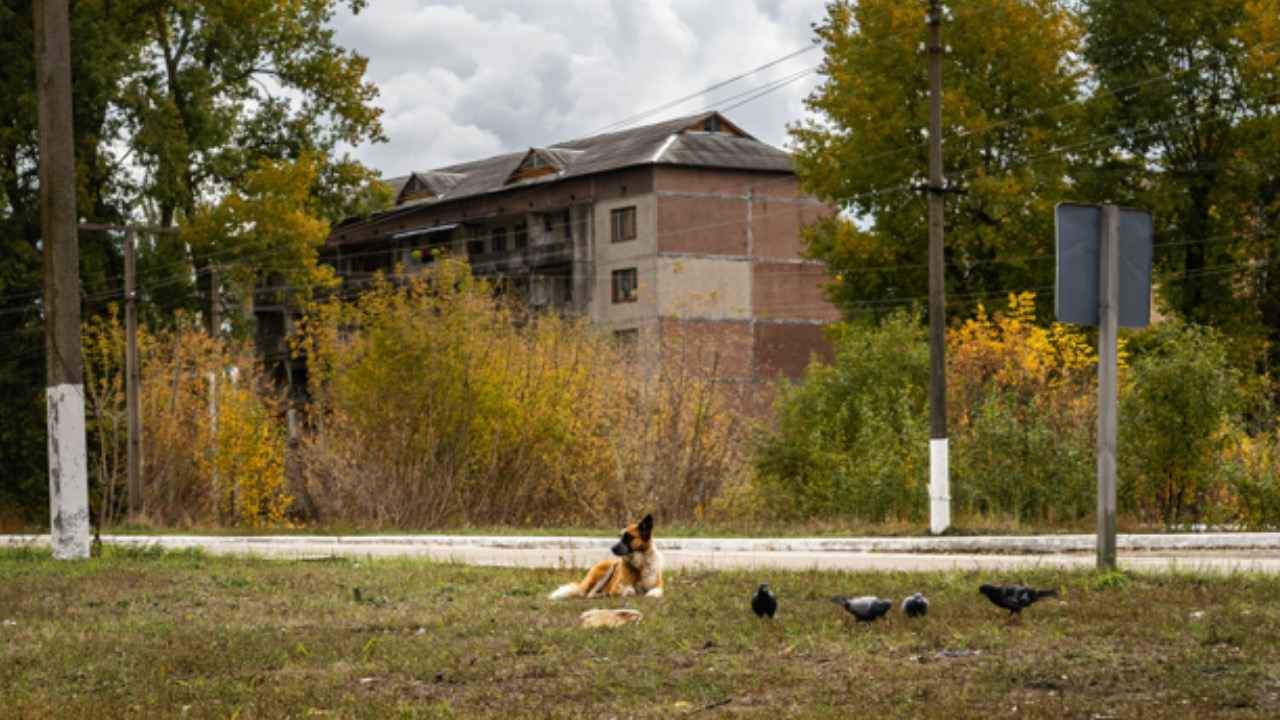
(625, 285)
(624, 224)
(499, 237)
(627, 339)
(567, 227)
(521, 236)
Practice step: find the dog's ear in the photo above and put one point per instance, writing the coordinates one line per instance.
(646, 528)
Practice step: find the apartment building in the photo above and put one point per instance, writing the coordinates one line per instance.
(681, 237)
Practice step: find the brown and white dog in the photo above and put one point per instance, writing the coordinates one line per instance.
(637, 571)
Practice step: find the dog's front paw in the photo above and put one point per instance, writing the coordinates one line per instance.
(656, 592)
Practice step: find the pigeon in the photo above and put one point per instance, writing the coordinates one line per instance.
(864, 609)
(915, 606)
(1014, 597)
(764, 602)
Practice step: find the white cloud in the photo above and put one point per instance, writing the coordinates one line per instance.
(464, 81)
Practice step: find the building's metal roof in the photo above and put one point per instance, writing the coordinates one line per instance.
(674, 142)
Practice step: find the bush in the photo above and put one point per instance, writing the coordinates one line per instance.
(435, 404)
(852, 439)
(211, 455)
(1022, 403)
(1177, 411)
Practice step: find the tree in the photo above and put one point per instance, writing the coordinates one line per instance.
(270, 225)
(1011, 80)
(105, 47)
(1188, 93)
(201, 96)
(234, 85)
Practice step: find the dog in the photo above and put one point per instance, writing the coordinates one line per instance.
(636, 571)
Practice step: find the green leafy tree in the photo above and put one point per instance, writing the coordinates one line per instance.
(270, 225)
(106, 48)
(234, 85)
(1012, 77)
(203, 97)
(1189, 95)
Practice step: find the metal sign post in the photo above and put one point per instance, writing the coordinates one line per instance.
(1108, 378)
(1104, 280)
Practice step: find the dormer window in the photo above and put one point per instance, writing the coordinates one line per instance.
(716, 124)
(542, 161)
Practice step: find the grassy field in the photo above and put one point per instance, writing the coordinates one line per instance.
(141, 634)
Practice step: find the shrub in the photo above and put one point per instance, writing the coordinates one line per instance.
(435, 403)
(1177, 409)
(851, 439)
(211, 455)
(1022, 402)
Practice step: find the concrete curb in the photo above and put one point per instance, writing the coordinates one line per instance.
(1028, 545)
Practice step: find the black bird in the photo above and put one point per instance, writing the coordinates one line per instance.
(764, 602)
(915, 606)
(1014, 597)
(864, 609)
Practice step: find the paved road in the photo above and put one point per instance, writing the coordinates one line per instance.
(582, 552)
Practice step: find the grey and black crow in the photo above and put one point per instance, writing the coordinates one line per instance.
(915, 606)
(1014, 597)
(864, 609)
(764, 602)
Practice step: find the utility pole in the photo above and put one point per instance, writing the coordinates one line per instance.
(1108, 381)
(133, 376)
(215, 303)
(64, 371)
(939, 473)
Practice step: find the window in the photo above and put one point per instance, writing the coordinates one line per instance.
(548, 226)
(567, 227)
(624, 285)
(626, 339)
(475, 247)
(624, 224)
(521, 236)
(499, 237)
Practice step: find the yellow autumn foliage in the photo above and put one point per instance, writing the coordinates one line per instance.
(435, 404)
(213, 449)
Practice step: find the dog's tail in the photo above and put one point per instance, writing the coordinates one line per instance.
(566, 591)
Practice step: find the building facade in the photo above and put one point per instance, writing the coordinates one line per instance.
(681, 237)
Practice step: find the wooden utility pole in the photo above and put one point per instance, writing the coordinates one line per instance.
(64, 372)
(133, 376)
(939, 474)
(1108, 380)
(215, 303)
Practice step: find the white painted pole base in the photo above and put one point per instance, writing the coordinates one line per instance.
(68, 473)
(939, 487)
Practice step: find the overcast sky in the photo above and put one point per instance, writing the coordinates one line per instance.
(465, 80)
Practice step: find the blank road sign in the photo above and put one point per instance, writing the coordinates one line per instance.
(1079, 235)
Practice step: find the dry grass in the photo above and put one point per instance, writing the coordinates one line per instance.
(144, 634)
